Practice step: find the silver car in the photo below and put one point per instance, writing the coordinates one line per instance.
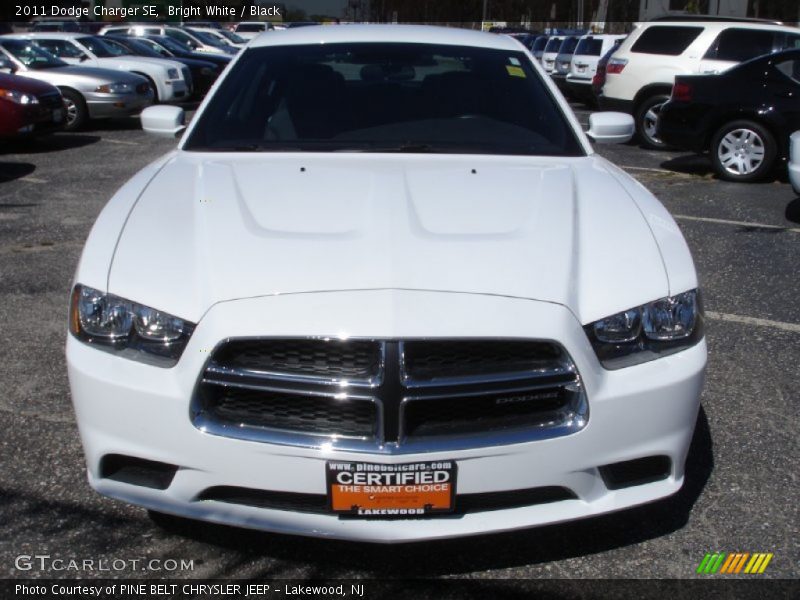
(89, 93)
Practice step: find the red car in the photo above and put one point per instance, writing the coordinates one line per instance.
(29, 107)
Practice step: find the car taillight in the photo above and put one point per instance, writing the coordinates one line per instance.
(615, 65)
(682, 92)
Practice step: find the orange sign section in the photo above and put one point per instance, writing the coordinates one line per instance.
(375, 490)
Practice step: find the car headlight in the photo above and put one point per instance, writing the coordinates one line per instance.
(115, 88)
(173, 74)
(126, 328)
(18, 97)
(648, 332)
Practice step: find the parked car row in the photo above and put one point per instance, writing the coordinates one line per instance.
(726, 86)
(106, 76)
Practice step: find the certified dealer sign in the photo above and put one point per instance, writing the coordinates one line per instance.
(367, 489)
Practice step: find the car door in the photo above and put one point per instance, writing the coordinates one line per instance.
(785, 91)
(66, 51)
(735, 45)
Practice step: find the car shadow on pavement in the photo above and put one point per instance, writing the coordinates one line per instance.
(331, 558)
(9, 171)
(690, 164)
(793, 211)
(54, 143)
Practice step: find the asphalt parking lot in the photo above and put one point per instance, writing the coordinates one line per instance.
(741, 495)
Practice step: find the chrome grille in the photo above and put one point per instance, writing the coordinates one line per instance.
(390, 396)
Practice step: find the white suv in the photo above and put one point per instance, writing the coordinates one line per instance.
(584, 62)
(640, 75)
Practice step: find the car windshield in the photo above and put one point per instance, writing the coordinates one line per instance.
(171, 44)
(117, 47)
(207, 38)
(141, 47)
(589, 47)
(99, 48)
(568, 45)
(381, 97)
(553, 44)
(31, 56)
(231, 36)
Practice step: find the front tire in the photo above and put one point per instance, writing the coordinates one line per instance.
(743, 151)
(77, 115)
(647, 121)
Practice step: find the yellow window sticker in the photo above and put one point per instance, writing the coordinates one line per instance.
(515, 71)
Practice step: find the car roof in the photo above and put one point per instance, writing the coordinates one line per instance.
(410, 34)
(53, 35)
(718, 25)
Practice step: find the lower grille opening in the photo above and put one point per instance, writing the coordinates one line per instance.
(306, 503)
(137, 471)
(636, 472)
(318, 503)
(493, 412)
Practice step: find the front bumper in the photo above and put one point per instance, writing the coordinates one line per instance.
(125, 407)
(110, 106)
(29, 121)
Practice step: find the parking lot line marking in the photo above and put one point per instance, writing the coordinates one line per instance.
(737, 223)
(793, 327)
(33, 179)
(630, 168)
(123, 142)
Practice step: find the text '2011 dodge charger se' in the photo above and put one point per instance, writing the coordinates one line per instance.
(385, 290)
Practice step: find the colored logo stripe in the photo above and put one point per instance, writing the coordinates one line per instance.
(734, 562)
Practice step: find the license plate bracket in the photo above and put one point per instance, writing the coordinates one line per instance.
(370, 490)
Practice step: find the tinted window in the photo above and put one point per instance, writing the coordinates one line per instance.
(568, 45)
(738, 45)
(669, 40)
(30, 55)
(790, 68)
(589, 47)
(539, 44)
(553, 44)
(99, 48)
(786, 41)
(60, 48)
(365, 97)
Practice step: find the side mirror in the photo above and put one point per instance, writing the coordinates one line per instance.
(163, 120)
(794, 161)
(611, 127)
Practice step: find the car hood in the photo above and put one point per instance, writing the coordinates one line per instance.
(215, 227)
(128, 62)
(25, 84)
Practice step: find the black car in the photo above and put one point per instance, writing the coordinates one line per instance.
(742, 117)
(167, 47)
(204, 73)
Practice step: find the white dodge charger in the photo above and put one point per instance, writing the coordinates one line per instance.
(385, 290)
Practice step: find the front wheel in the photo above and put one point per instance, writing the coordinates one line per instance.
(75, 107)
(647, 121)
(743, 151)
